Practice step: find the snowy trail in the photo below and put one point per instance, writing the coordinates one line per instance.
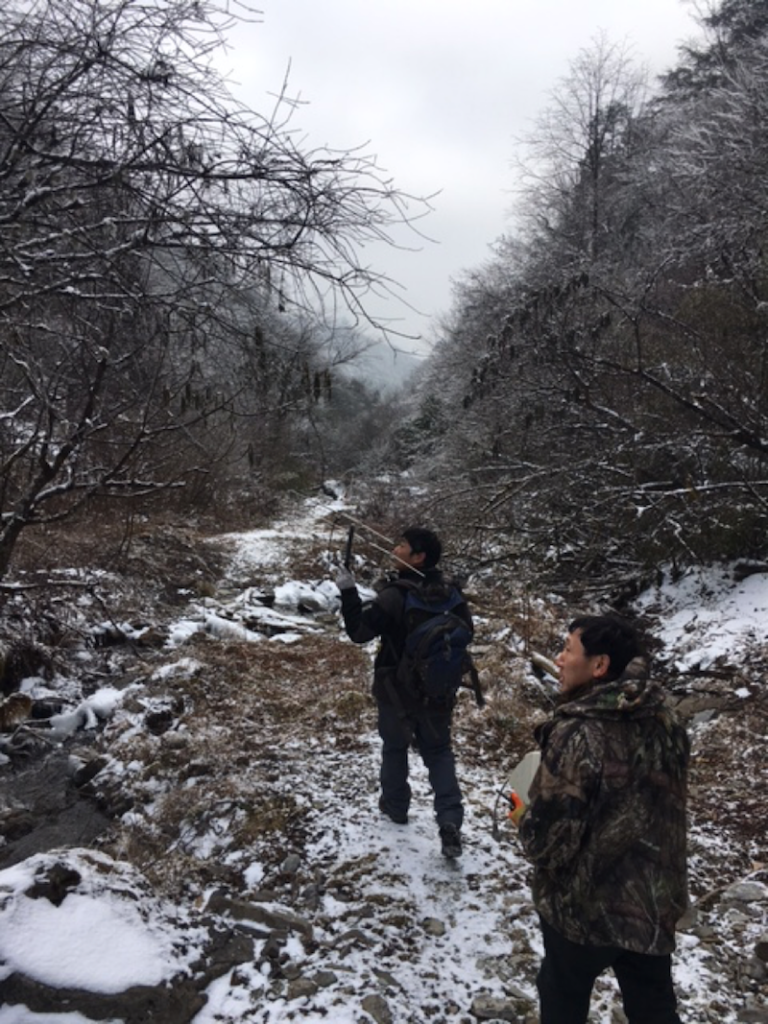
(262, 787)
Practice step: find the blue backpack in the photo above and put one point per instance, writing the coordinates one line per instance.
(436, 661)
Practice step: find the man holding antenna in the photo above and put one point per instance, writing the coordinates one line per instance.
(405, 718)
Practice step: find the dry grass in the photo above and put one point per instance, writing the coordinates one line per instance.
(225, 765)
(140, 548)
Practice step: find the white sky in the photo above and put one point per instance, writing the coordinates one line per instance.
(439, 91)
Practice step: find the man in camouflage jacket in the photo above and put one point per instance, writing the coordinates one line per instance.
(605, 829)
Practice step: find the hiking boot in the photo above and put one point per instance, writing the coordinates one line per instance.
(450, 839)
(399, 817)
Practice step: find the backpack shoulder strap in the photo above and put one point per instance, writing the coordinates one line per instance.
(406, 588)
(405, 585)
(391, 596)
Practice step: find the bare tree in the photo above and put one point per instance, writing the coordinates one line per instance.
(137, 199)
(615, 412)
(580, 142)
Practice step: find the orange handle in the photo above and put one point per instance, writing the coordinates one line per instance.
(517, 805)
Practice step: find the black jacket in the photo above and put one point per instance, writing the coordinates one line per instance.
(383, 617)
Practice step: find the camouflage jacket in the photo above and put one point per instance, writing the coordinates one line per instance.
(605, 827)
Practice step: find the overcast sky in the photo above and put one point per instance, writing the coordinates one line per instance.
(439, 91)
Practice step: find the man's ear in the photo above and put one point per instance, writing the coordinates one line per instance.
(417, 560)
(601, 666)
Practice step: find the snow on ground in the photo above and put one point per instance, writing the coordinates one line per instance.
(99, 938)
(431, 952)
(430, 924)
(707, 616)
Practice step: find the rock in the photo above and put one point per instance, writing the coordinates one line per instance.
(176, 1002)
(264, 896)
(152, 637)
(755, 969)
(160, 721)
(83, 772)
(175, 740)
(272, 950)
(301, 988)
(242, 910)
(705, 932)
(292, 972)
(378, 1008)
(493, 1008)
(48, 812)
(226, 950)
(291, 864)
(13, 710)
(746, 892)
(42, 709)
(690, 919)
(16, 822)
(197, 770)
(354, 938)
(311, 895)
(752, 1016)
(324, 979)
(56, 885)
(386, 978)
(434, 927)
(761, 948)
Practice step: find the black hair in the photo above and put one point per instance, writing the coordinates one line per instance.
(424, 541)
(611, 635)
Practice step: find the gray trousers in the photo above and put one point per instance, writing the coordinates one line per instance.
(430, 732)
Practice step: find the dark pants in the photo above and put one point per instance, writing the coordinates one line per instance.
(568, 973)
(431, 733)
